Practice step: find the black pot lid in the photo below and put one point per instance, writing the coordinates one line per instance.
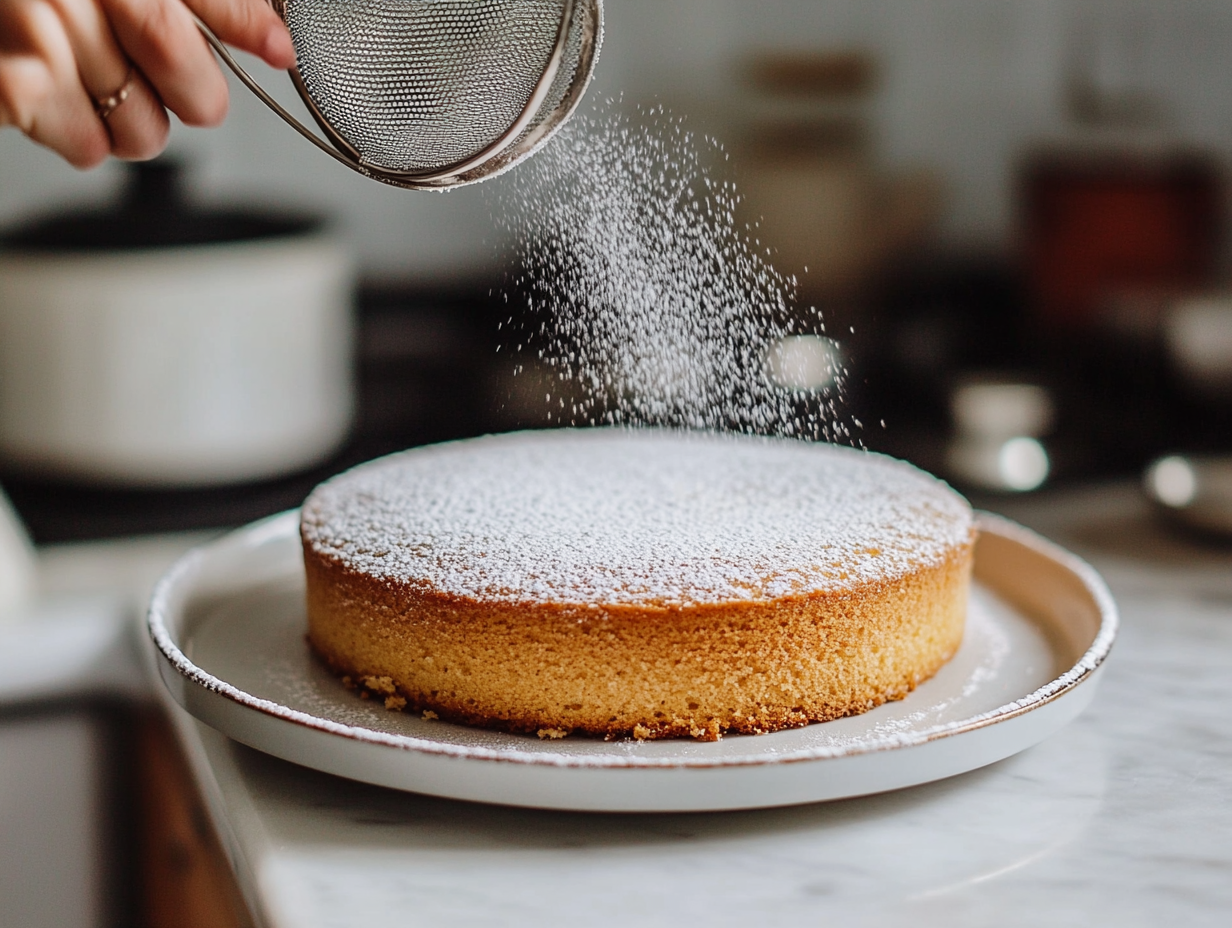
(153, 213)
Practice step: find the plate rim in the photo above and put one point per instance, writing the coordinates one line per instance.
(1087, 665)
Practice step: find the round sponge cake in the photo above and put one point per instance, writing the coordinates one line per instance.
(636, 582)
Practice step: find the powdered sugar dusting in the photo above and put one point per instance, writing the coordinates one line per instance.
(634, 517)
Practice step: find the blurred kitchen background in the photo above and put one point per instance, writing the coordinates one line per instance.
(1018, 207)
(1014, 219)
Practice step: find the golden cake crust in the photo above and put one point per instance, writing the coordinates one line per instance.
(808, 627)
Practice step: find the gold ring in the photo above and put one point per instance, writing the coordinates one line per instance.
(105, 106)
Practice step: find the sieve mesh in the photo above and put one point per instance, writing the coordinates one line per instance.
(420, 85)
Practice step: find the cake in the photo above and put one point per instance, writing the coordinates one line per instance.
(639, 583)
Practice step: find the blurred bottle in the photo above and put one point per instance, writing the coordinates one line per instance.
(1120, 217)
(809, 174)
(1100, 222)
(1120, 203)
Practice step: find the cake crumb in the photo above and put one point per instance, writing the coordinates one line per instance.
(711, 731)
(382, 685)
(641, 732)
(395, 703)
(555, 734)
(430, 715)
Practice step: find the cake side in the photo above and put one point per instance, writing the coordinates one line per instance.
(747, 666)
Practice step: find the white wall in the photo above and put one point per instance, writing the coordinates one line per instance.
(967, 84)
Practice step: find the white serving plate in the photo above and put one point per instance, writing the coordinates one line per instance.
(228, 628)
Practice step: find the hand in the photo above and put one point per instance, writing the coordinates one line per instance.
(61, 59)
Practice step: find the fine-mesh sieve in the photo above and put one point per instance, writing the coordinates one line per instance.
(432, 94)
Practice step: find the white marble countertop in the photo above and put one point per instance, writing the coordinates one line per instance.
(1123, 818)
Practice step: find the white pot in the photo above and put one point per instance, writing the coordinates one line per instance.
(186, 366)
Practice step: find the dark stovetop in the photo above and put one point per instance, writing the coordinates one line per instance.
(428, 370)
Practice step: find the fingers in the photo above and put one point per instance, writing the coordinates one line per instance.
(40, 90)
(58, 57)
(251, 25)
(161, 39)
(139, 126)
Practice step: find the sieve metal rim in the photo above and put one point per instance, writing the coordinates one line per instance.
(509, 149)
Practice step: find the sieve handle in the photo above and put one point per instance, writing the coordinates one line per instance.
(263, 95)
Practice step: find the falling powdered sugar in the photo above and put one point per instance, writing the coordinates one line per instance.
(643, 298)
